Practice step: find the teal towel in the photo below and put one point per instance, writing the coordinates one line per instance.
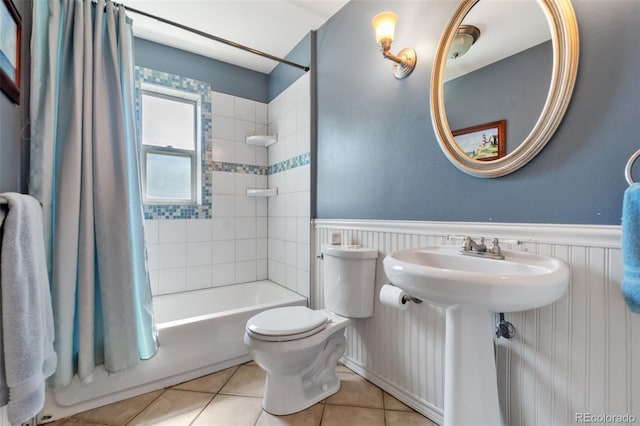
(631, 247)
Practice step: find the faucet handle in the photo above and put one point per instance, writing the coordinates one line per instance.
(495, 246)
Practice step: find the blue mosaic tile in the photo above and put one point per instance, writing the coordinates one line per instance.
(291, 163)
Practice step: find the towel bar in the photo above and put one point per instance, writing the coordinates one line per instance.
(627, 170)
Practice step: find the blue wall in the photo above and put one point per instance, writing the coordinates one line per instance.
(498, 92)
(378, 157)
(224, 77)
(283, 75)
(14, 128)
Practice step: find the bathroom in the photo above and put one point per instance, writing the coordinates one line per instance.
(369, 166)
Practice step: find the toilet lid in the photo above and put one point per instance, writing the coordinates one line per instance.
(290, 320)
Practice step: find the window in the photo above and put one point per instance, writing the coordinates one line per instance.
(170, 122)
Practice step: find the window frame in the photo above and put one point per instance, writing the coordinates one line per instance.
(195, 154)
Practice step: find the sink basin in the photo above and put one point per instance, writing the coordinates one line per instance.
(442, 275)
(471, 288)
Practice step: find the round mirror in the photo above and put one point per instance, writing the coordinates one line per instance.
(501, 82)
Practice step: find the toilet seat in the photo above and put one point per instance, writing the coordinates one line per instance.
(287, 323)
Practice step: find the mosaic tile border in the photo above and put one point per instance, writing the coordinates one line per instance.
(291, 163)
(172, 81)
(220, 166)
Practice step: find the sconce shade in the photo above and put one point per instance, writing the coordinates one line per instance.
(384, 24)
(465, 37)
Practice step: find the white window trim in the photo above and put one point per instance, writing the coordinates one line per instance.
(196, 155)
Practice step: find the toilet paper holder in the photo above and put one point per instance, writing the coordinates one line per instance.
(409, 298)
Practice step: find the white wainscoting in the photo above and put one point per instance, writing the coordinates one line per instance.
(579, 355)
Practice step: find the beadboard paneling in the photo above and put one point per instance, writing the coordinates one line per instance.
(581, 354)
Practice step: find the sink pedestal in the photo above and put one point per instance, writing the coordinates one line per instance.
(470, 381)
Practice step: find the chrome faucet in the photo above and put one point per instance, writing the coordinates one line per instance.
(471, 248)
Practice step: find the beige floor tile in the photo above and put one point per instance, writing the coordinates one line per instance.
(228, 410)
(253, 363)
(338, 415)
(246, 381)
(173, 408)
(342, 369)
(391, 403)
(356, 391)
(119, 413)
(309, 417)
(72, 422)
(211, 383)
(405, 418)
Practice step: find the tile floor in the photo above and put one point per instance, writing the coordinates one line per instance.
(233, 397)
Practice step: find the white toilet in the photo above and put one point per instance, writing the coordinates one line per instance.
(299, 348)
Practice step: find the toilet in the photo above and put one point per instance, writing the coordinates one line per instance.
(298, 347)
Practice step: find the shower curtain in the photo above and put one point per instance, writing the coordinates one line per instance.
(84, 170)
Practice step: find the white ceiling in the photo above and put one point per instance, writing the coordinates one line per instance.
(272, 26)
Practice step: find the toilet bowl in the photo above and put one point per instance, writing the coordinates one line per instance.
(300, 361)
(298, 347)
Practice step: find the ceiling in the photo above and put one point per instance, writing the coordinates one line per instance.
(272, 26)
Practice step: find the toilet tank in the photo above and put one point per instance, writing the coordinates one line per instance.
(349, 280)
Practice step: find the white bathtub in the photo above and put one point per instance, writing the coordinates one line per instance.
(199, 332)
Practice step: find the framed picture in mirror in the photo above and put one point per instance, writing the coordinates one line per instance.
(483, 142)
(10, 36)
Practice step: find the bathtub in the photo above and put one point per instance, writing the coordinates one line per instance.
(200, 332)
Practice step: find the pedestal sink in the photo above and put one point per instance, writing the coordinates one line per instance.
(471, 288)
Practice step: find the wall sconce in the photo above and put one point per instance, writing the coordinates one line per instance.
(384, 24)
(465, 37)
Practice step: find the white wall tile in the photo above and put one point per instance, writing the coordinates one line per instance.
(303, 230)
(245, 109)
(262, 271)
(199, 253)
(262, 227)
(245, 154)
(224, 206)
(198, 230)
(244, 181)
(303, 115)
(277, 272)
(304, 256)
(291, 256)
(262, 248)
(223, 150)
(262, 157)
(222, 104)
(245, 206)
(303, 283)
(222, 183)
(172, 231)
(244, 129)
(223, 252)
(261, 129)
(303, 204)
(245, 250)
(261, 207)
(199, 277)
(246, 271)
(151, 231)
(154, 277)
(223, 128)
(292, 228)
(303, 141)
(224, 274)
(152, 256)
(172, 255)
(246, 228)
(262, 113)
(172, 281)
(223, 228)
(291, 280)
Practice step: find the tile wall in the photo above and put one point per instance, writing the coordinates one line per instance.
(289, 171)
(245, 238)
(231, 246)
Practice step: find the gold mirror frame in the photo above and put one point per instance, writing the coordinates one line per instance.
(564, 34)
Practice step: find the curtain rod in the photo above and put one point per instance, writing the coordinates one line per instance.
(213, 37)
